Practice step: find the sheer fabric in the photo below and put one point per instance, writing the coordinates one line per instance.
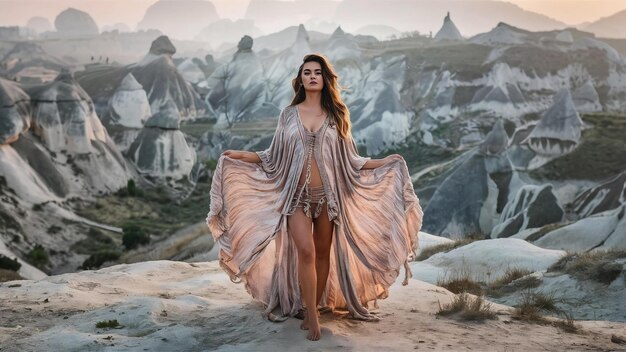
(375, 213)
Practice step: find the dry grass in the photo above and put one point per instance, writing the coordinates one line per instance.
(528, 311)
(599, 265)
(9, 275)
(510, 275)
(468, 308)
(461, 282)
(444, 247)
(534, 303)
(513, 279)
(567, 324)
(543, 231)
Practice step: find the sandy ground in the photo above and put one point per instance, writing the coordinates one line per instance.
(176, 306)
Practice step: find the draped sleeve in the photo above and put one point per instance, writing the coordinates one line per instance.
(356, 161)
(271, 156)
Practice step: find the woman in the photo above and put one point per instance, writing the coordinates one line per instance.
(308, 221)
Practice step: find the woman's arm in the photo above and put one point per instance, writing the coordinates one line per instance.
(250, 157)
(374, 163)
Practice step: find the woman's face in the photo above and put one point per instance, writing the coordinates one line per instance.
(312, 76)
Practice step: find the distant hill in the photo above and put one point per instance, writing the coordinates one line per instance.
(613, 26)
(471, 17)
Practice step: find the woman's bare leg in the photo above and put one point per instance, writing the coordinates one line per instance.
(322, 236)
(300, 229)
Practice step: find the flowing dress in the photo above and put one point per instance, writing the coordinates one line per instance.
(375, 213)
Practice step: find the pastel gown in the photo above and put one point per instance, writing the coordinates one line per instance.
(375, 213)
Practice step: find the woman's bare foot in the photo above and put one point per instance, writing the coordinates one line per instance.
(313, 325)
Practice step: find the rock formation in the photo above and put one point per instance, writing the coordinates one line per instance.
(448, 31)
(559, 130)
(15, 111)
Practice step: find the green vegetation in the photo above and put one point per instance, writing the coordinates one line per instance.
(601, 154)
(468, 308)
(131, 190)
(536, 60)
(38, 256)
(466, 60)
(96, 260)
(108, 324)
(9, 264)
(96, 241)
(134, 236)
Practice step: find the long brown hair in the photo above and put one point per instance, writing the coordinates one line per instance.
(331, 98)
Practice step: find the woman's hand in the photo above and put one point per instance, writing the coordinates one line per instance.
(250, 157)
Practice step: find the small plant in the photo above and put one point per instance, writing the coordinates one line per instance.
(510, 275)
(38, 256)
(567, 324)
(108, 324)
(131, 187)
(210, 164)
(468, 308)
(599, 265)
(96, 260)
(533, 303)
(134, 236)
(512, 280)
(461, 282)
(9, 264)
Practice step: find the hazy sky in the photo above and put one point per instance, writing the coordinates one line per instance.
(106, 12)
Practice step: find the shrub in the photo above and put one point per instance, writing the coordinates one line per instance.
(9, 264)
(131, 187)
(38, 256)
(134, 236)
(468, 308)
(107, 324)
(210, 164)
(95, 260)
